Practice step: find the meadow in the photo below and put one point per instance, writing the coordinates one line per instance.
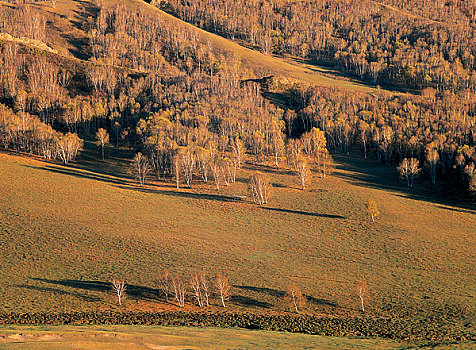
(140, 337)
(67, 231)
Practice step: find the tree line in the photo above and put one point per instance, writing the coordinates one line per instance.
(436, 129)
(201, 289)
(364, 38)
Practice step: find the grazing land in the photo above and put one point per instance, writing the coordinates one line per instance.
(67, 231)
(150, 337)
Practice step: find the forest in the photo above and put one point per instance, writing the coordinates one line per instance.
(192, 113)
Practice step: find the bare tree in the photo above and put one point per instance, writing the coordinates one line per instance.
(205, 288)
(179, 291)
(223, 288)
(140, 167)
(119, 288)
(362, 291)
(409, 169)
(303, 172)
(294, 297)
(259, 187)
(102, 139)
(165, 283)
(196, 288)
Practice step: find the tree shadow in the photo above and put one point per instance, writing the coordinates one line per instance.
(317, 301)
(249, 302)
(80, 174)
(181, 194)
(372, 174)
(132, 291)
(290, 211)
(264, 290)
(60, 292)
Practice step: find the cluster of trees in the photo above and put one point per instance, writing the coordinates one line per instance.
(23, 132)
(438, 130)
(22, 21)
(199, 288)
(362, 37)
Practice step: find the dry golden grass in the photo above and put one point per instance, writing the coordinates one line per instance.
(151, 337)
(67, 231)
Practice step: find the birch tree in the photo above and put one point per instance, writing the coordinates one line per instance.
(165, 284)
(102, 139)
(362, 291)
(372, 209)
(259, 188)
(409, 169)
(140, 168)
(223, 289)
(119, 289)
(294, 297)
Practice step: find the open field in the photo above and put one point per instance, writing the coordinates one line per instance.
(67, 231)
(150, 337)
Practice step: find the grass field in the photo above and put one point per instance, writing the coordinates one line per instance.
(67, 231)
(150, 337)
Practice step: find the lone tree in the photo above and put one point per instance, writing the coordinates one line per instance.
(102, 139)
(362, 291)
(294, 297)
(119, 288)
(140, 167)
(223, 289)
(372, 209)
(258, 187)
(409, 169)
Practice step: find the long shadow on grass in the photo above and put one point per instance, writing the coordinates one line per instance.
(372, 174)
(181, 194)
(281, 294)
(264, 290)
(330, 216)
(249, 302)
(318, 301)
(133, 291)
(60, 292)
(80, 174)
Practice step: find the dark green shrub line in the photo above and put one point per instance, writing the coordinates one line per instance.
(398, 329)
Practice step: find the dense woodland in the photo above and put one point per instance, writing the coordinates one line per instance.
(364, 38)
(192, 115)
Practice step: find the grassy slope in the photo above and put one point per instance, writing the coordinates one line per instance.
(150, 337)
(62, 226)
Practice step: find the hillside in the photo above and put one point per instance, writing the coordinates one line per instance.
(67, 35)
(62, 252)
(305, 198)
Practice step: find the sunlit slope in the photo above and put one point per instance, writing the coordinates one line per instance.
(66, 30)
(67, 231)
